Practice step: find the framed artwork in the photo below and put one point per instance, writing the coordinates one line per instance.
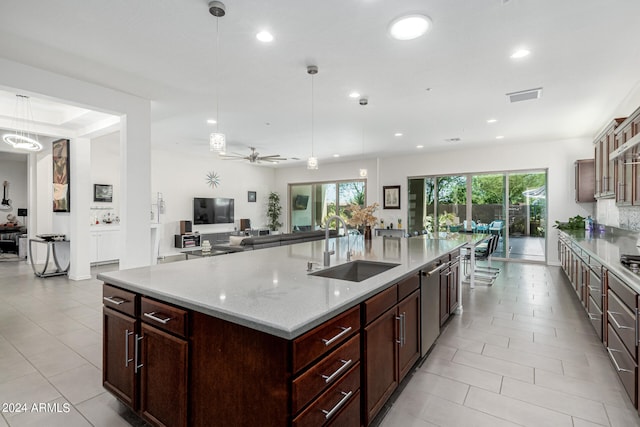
(61, 181)
(102, 193)
(391, 197)
(251, 196)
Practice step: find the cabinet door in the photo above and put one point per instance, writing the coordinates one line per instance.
(380, 355)
(163, 380)
(599, 170)
(93, 246)
(409, 351)
(109, 246)
(454, 298)
(118, 374)
(444, 297)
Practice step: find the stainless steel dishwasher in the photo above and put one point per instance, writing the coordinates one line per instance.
(430, 305)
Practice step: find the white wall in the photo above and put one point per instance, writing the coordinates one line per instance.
(180, 178)
(105, 169)
(14, 170)
(556, 156)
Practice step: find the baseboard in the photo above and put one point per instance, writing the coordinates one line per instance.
(72, 277)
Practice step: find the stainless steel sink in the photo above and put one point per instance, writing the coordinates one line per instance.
(355, 271)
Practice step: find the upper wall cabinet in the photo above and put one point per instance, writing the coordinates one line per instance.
(585, 180)
(605, 144)
(626, 158)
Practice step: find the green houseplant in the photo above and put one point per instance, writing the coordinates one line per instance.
(574, 223)
(274, 209)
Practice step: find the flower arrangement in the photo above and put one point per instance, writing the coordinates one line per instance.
(362, 216)
(445, 220)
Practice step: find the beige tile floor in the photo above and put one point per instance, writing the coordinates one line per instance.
(521, 353)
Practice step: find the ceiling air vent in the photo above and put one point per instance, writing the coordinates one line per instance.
(525, 95)
(453, 139)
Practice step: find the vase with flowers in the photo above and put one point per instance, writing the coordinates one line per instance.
(362, 217)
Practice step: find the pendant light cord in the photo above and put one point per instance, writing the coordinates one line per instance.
(217, 72)
(312, 114)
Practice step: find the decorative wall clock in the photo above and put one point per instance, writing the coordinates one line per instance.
(213, 179)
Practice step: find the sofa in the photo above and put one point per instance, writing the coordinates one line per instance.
(10, 237)
(247, 243)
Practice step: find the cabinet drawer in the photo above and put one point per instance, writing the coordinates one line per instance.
(407, 286)
(595, 316)
(623, 321)
(378, 304)
(164, 316)
(623, 363)
(624, 293)
(119, 299)
(331, 403)
(595, 288)
(325, 337)
(324, 373)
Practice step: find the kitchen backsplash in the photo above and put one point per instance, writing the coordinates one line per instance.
(629, 217)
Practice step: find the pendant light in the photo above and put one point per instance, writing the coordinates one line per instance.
(312, 162)
(23, 138)
(217, 140)
(363, 171)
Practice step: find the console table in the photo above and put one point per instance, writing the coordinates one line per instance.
(393, 232)
(51, 249)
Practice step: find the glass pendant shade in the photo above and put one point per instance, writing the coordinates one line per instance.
(217, 142)
(363, 173)
(312, 163)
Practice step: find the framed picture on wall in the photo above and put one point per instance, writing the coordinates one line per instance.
(61, 181)
(102, 193)
(251, 196)
(391, 197)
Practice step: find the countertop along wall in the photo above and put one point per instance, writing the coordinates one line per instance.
(555, 156)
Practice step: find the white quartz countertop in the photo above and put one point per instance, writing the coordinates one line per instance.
(606, 247)
(270, 289)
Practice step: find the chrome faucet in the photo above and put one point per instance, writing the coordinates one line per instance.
(327, 252)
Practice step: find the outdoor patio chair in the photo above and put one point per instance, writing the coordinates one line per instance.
(496, 227)
(473, 226)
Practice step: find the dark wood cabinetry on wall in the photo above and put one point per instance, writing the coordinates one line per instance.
(605, 144)
(585, 180)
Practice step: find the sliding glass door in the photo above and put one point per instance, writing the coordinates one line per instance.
(511, 205)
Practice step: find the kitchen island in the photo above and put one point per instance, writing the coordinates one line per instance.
(253, 339)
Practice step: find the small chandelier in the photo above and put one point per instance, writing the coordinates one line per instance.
(217, 140)
(312, 162)
(363, 171)
(23, 138)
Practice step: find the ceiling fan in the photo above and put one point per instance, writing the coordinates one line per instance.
(253, 157)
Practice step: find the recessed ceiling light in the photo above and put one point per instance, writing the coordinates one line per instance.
(398, 134)
(500, 137)
(354, 95)
(419, 146)
(212, 121)
(336, 155)
(409, 27)
(264, 36)
(520, 53)
(492, 120)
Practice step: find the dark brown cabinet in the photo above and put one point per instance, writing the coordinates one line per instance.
(144, 366)
(449, 289)
(391, 341)
(585, 180)
(626, 171)
(605, 144)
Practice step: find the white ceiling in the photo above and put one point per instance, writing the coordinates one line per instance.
(584, 55)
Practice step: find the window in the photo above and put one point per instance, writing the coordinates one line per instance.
(311, 204)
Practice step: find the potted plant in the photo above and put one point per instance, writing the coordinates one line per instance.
(274, 209)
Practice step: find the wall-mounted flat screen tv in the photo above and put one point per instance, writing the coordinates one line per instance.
(300, 202)
(213, 210)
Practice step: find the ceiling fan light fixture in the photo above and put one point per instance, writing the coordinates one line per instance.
(409, 27)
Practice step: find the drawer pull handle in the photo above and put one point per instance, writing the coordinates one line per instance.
(435, 270)
(618, 325)
(127, 334)
(153, 316)
(593, 316)
(594, 289)
(615, 362)
(115, 301)
(345, 365)
(331, 413)
(344, 332)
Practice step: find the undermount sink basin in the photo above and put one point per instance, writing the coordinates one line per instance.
(355, 271)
